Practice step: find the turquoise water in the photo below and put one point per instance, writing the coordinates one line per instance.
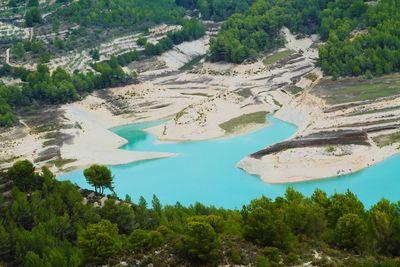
(204, 171)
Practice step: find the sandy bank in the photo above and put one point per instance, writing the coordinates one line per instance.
(198, 101)
(310, 114)
(93, 142)
(313, 163)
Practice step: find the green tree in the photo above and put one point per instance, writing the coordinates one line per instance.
(262, 262)
(141, 240)
(120, 214)
(5, 239)
(341, 204)
(21, 212)
(382, 218)
(138, 240)
(142, 214)
(95, 54)
(351, 232)
(201, 242)
(100, 177)
(272, 254)
(22, 173)
(141, 41)
(32, 17)
(7, 117)
(217, 222)
(18, 50)
(32, 260)
(264, 224)
(99, 242)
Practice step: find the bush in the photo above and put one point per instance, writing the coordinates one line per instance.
(216, 222)
(351, 232)
(141, 240)
(262, 262)
(141, 41)
(200, 242)
(293, 258)
(235, 255)
(100, 242)
(272, 254)
(138, 240)
(22, 173)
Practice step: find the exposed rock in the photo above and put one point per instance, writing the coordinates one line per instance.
(317, 139)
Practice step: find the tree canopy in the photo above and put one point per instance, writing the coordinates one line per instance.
(55, 88)
(361, 38)
(47, 223)
(100, 177)
(371, 49)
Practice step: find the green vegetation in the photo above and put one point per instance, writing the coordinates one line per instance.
(60, 162)
(216, 9)
(244, 35)
(129, 14)
(243, 120)
(191, 30)
(95, 54)
(330, 149)
(368, 92)
(35, 48)
(372, 111)
(46, 223)
(78, 25)
(99, 242)
(33, 16)
(387, 140)
(375, 51)
(196, 94)
(127, 58)
(58, 87)
(180, 114)
(312, 76)
(269, 60)
(361, 39)
(99, 177)
(189, 65)
(350, 89)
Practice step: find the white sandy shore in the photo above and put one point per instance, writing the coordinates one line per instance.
(93, 142)
(209, 96)
(313, 163)
(197, 102)
(201, 121)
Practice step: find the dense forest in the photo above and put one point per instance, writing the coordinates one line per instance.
(47, 223)
(120, 13)
(361, 38)
(243, 36)
(373, 50)
(42, 87)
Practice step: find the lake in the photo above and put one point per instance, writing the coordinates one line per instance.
(206, 172)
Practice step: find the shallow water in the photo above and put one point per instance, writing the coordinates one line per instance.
(205, 171)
